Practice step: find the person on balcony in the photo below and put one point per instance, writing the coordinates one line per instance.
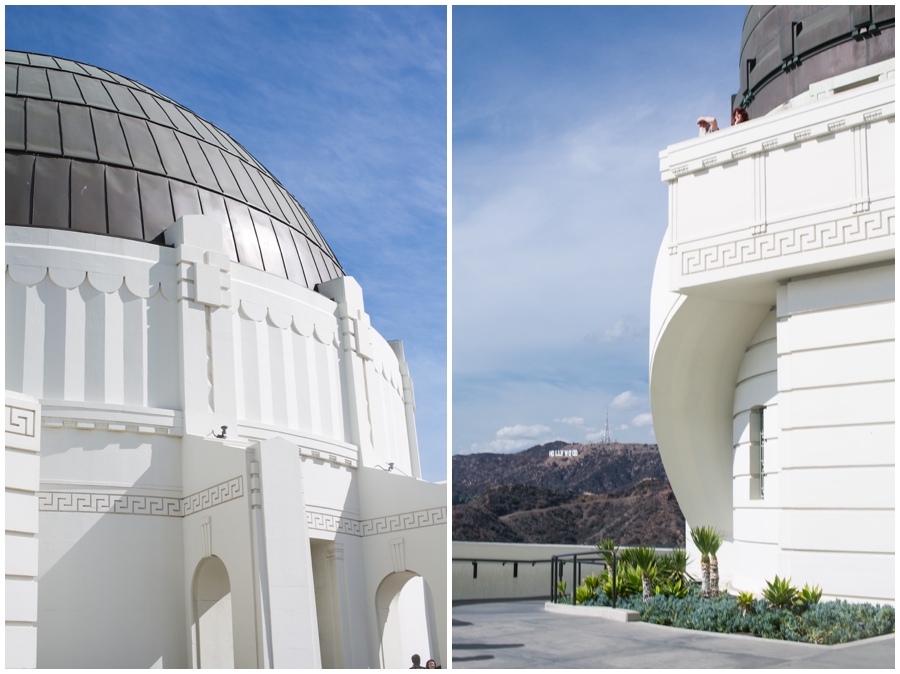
(709, 124)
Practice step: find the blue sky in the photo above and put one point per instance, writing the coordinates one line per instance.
(559, 114)
(347, 107)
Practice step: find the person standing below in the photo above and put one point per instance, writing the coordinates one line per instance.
(417, 662)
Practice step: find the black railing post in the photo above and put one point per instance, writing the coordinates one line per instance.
(614, 579)
(574, 571)
(553, 579)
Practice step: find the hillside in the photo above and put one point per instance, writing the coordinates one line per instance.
(617, 491)
(598, 469)
(643, 514)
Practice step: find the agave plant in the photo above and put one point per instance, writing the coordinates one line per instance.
(808, 596)
(746, 601)
(780, 593)
(672, 588)
(673, 565)
(628, 581)
(561, 588)
(644, 560)
(584, 594)
(592, 582)
(708, 542)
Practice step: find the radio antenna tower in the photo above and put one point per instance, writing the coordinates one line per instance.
(605, 439)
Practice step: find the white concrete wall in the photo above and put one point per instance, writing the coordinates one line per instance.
(133, 355)
(495, 580)
(836, 401)
(22, 481)
(793, 211)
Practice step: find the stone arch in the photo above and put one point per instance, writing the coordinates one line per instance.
(406, 620)
(212, 628)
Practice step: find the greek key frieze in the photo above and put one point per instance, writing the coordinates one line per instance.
(123, 504)
(19, 421)
(334, 523)
(767, 246)
(221, 493)
(404, 521)
(379, 525)
(134, 504)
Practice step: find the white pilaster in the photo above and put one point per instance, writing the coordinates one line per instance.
(205, 327)
(23, 441)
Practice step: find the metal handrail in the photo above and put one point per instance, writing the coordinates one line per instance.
(504, 562)
(592, 558)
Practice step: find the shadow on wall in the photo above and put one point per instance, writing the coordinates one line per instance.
(212, 625)
(406, 620)
(111, 586)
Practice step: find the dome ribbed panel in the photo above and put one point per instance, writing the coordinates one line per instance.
(92, 151)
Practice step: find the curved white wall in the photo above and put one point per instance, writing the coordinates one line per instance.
(132, 355)
(774, 287)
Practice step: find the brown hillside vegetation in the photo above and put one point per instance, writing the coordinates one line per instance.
(598, 469)
(642, 514)
(613, 491)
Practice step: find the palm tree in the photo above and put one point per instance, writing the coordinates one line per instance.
(714, 564)
(708, 542)
(644, 559)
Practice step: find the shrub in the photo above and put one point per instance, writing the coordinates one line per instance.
(780, 592)
(833, 622)
(746, 600)
(672, 588)
(583, 594)
(808, 596)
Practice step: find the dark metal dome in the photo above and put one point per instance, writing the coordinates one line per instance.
(785, 48)
(92, 151)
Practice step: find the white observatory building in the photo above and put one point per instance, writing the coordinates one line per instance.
(772, 310)
(211, 455)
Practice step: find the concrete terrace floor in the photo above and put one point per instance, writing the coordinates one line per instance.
(520, 634)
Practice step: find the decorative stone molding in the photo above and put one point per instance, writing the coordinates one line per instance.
(692, 158)
(320, 521)
(206, 536)
(220, 493)
(130, 504)
(20, 421)
(116, 418)
(122, 504)
(787, 242)
(203, 277)
(97, 425)
(398, 554)
(137, 281)
(405, 521)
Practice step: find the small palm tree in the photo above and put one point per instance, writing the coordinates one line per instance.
(708, 542)
(644, 559)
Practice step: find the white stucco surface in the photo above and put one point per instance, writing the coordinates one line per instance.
(124, 361)
(774, 291)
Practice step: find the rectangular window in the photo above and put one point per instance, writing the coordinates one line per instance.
(757, 467)
(762, 452)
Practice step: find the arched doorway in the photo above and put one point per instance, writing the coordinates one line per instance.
(212, 628)
(406, 623)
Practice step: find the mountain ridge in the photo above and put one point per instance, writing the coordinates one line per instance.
(617, 491)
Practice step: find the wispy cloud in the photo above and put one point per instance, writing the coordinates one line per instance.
(643, 420)
(520, 431)
(624, 327)
(514, 438)
(571, 421)
(625, 400)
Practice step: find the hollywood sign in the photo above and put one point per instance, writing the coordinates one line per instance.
(563, 452)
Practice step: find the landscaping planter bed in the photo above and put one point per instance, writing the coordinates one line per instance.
(834, 622)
